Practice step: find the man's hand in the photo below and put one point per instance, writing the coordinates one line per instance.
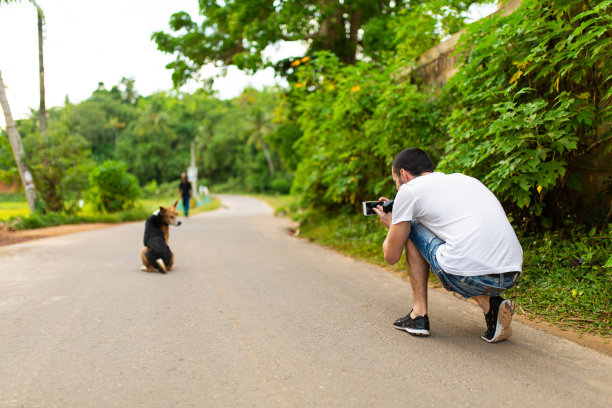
(385, 218)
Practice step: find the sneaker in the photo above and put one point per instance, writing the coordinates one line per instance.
(498, 319)
(162, 265)
(419, 326)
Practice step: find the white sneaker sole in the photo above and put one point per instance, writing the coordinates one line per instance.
(414, 332)
(503, 329)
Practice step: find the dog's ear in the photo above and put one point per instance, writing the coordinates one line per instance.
(175, 203)
(162, 210)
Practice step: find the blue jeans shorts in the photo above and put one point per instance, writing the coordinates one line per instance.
(467, 286)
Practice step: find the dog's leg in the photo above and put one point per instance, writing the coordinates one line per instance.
(169, 266)
(162, 265)
(146, 265)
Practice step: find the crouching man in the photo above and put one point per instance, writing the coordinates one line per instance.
(454, 225)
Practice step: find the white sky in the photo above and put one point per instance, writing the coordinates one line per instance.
(88, 41)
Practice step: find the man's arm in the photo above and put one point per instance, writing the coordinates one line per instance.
(396, 240)
(397, 236)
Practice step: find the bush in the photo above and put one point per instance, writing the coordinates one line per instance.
(530, 95)
(280, 185)
(112, 188)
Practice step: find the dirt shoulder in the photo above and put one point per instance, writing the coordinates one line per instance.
(8, 237)
(600, 344)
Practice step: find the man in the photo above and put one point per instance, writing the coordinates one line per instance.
(455, 225)
(185, 188)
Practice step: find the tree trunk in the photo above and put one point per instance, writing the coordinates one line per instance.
(18, 152)
(42, 112)
(268, 157)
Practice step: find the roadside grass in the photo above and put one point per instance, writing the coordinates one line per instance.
(283, 204)
(566, 279)
(17, 215)
(12, 209)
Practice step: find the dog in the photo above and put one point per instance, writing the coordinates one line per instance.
(156, 255)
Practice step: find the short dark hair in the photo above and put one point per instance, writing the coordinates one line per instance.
(414, 160)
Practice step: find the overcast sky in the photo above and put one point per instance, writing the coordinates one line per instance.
(88, 41)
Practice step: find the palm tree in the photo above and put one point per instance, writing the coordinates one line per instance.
(261, 124)
(42, 111)
(18, 152)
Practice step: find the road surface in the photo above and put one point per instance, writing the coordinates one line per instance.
(253, 317)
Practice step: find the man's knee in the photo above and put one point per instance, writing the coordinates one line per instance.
(413, 256)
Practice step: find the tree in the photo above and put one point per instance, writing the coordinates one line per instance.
(14, 138)
(151, 143)
(18, 152)
(237, 32)
(42, 111)
(261, 106)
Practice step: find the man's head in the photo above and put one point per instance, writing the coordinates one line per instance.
(183, 176)
(410, 163)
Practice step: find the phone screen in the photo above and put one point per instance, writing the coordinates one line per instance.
(368, 207)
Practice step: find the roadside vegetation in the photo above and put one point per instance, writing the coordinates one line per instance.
(528, 112)
(15, 214)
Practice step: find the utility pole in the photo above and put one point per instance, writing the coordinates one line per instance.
(192, 174)
(42, 112)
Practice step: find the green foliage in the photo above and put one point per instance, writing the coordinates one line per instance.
(354, 119)
(59, 162)
(39, 220)
(152, 144)
(237, 32)
(567, 278)
(525, 108)
(334, 101)
(529, 97)
(8, 169)
(103, 117)
(112, 188)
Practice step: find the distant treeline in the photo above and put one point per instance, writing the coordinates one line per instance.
(153, 135)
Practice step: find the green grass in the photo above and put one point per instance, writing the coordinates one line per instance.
(17, 215)
(13, 209)
(283, 204)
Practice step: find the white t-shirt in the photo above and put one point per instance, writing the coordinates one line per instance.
(464, 214)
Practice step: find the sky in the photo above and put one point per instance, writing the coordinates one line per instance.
(88, 41)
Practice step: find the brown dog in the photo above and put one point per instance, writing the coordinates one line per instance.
(156, 254)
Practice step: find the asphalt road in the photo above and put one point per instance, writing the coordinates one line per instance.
(253, 317)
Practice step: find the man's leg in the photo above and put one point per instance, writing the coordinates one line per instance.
(419, 274)
(186, 207)
(483, 302)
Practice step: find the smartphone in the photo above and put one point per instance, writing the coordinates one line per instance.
(368, 207)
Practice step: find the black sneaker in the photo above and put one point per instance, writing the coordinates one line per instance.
(419, 326)
(498, 319)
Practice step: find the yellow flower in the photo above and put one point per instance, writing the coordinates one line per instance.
(305, 59)
(539, 188)
(295, 63)
(355, 88)
(300, 84)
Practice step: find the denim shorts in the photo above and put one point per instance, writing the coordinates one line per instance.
(467, 286)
